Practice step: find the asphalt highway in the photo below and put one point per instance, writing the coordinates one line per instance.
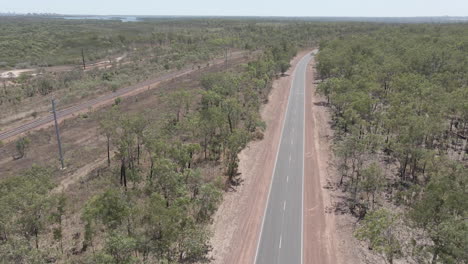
(281, 235)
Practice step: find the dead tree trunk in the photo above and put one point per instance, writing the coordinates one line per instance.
(82, 56)
(123, 175)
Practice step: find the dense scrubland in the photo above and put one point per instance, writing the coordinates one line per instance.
(399, 98)
(153, 202)
(33, 41)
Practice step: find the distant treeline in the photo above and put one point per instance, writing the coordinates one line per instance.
(40, 41)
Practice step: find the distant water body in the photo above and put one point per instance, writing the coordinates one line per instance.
(121, 18)
(440, 19)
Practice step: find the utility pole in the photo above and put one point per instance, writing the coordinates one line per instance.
(226, 57)
(58, 134)
(82, 56)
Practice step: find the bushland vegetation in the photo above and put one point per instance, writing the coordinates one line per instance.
(399, 97)
(45, 41)
(159, 204)
(132, 52)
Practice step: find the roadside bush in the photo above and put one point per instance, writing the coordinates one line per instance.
(44, 86)
(258, 135)
(21, 147)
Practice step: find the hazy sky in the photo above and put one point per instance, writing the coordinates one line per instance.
(243, 7)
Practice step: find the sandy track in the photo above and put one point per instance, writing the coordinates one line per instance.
(80, 174)
(238, 220)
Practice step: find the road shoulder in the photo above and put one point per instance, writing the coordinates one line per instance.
(319, 227)
(327, 236)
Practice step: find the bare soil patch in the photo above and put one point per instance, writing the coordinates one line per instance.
(61, 68)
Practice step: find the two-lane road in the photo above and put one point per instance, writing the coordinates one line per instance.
(281, 236)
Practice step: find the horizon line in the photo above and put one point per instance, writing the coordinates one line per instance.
(222, 16)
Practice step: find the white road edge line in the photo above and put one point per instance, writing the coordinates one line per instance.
(303, 162)
(276, 160)
(311, 55)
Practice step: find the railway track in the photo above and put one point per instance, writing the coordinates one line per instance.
(101, 100)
